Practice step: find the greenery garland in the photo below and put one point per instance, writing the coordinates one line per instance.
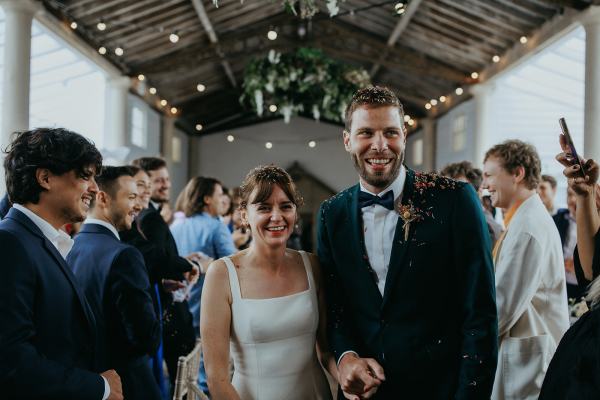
(305, 81)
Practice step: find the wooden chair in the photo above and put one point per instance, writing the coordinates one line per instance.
(186, 381)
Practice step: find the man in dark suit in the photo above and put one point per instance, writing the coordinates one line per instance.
(115, 281)
(47, 330)
(408, 271)
(178, 332)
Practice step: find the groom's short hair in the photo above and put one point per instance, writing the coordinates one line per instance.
(372, 96)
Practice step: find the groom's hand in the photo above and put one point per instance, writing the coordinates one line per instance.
(359, 377)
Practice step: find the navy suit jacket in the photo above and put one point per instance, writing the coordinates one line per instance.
(434, 330)
(47, 330)
(115, 281)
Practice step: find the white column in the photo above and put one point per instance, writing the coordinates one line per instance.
(116, 112)
(429, 143)
(168, 132)
(481, 95)
(591, 126)
(17, 54)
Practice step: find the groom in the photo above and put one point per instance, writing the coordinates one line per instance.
(408, 271)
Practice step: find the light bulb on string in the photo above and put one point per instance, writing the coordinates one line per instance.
(101, 25)
(269, 145)
(152, 90)
(174, 37)
(163, 102)
(73, 25)
(312, 144)
(102, 50)
(141, 77)
(230, 138)
(119, 51)
(459, 91)
(201, 88)
(272, 35)
(198, 127)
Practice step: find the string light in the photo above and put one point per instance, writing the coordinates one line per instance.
(411, 122)
(173, 110)
(442, 99)
(400, 8)
(119, 51)
(152, 90)
(272, 108)
(406, 118)
(272, 35)
(174, 37)
(269, 145)
(73, 25)
(312, 144)
(428, 106)
(459, 91)
(141, 77)
(101, 26)
(496, 58)
(198, 127)
(102, 50)
(163, 102)
(433, 102)
(201, 88)
(523, 39)
(230, 138)
(474, 75)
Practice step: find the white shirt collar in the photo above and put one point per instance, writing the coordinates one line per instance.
(105, 224)
(397, 185)
(57, 237)
(155, 204)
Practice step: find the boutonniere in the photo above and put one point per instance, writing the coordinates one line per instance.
(409, 213)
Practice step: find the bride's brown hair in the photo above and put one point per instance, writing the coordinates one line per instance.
(263, 179)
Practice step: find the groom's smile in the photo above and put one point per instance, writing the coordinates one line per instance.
(376, 143)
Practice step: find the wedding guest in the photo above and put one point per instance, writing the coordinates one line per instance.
(574, 373)
(567, 229)
(47, 329)
(530, 279)
(464, 171)
(178, 332)
(547, 191)
(115, 280)
(266, 304)
(202, 231)
(407, 270)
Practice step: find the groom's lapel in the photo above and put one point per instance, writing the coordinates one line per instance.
(357, 244)
(399, 246)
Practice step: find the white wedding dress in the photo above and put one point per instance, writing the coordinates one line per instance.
(273, 344)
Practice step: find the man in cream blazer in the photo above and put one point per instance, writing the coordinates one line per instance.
(530, 279)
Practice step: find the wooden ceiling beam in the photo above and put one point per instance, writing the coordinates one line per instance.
(402, 24)
(151, 52)
(199, 7)
(526, 9)
(154, 38)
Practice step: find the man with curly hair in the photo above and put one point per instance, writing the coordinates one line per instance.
(408, 271)
(530, 277)
(47, 329)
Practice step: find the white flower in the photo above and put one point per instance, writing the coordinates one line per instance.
(332, 7)
(286, 111)
(316, 112)
(274, 56)
(258, 99)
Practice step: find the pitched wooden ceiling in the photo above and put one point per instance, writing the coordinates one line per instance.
(428, 51)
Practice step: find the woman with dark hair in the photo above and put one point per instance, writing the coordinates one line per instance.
(268, 303)
(574, 372)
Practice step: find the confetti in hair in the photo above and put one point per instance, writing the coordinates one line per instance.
(262, 179)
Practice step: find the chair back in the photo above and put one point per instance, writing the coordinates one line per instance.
(186, 381)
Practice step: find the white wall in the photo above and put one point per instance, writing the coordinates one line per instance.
(230, 162)
(445, 152)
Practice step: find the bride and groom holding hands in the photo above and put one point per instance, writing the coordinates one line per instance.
(399, 302)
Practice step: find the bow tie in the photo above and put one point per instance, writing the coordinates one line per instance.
(366, 199)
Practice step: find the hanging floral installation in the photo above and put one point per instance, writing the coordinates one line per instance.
(305, 8)
(305, 81)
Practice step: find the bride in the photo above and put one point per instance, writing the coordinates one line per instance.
(266, 303)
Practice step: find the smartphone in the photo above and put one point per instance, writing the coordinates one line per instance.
(575, 158)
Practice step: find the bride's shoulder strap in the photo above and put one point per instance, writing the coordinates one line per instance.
(308, 268)
(234, 283)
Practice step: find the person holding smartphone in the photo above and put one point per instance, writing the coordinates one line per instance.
(574, 372)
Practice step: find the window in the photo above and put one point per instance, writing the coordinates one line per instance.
(138, 127)
(459, 133)
(417, 152)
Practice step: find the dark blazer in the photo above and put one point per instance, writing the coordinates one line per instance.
(115, 281)
(434, 330)
(4, 206)
(179, 335)
(561, 219)
(47, 330)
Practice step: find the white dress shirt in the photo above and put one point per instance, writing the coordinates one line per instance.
(379, 226)
(63, 244)
(105, 224)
